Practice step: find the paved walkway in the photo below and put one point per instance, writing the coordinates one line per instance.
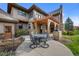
(55, 49)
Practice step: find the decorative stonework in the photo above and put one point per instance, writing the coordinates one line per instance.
(57, 35)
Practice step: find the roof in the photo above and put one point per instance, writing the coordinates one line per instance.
(33, 7)
(5, 17)
(48, 17)
(57, 11)
(53, 19)
(10, 5)
(6, 20)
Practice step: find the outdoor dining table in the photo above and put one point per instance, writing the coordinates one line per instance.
(39, 37)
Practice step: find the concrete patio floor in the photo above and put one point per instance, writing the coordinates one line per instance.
(55, 49)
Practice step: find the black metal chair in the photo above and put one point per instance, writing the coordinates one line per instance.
(37, 40)
(34, 44)
(44, 40)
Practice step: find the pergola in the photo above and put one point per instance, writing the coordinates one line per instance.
(48, 24)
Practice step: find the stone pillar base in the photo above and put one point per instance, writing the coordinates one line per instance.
(57, 35)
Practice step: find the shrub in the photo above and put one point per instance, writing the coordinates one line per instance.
(64, 33)
(71, 33)
(20, 32)
(5, 53)
(68, 33)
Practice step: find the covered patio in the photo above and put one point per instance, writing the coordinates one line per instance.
(47, 24)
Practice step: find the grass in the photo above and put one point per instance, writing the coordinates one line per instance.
(74, 45)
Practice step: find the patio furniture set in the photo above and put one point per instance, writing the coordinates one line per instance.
(39, 40)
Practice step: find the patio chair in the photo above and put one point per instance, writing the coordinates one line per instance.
(44, 40)
(46, 37)
(32, 38)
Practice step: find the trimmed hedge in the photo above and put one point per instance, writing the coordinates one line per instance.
(20, 32)
(68, 33)
(74, 32)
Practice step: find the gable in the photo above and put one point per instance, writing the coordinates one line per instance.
(34, 7)
(10, 5)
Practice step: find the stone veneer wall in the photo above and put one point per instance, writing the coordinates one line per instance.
(57, 35)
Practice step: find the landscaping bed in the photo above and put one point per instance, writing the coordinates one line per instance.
(8, 47)
(20, 32)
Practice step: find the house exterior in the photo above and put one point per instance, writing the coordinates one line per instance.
(7, 25)
(35, 19)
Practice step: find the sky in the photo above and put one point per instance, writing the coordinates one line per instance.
(69, 9)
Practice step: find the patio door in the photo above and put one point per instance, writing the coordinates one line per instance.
(8, 32)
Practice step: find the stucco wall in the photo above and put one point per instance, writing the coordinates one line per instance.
(2, 29)
(4, 16)
(33, 14)
(37, 14)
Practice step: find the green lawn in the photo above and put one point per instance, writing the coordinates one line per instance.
(74, 45)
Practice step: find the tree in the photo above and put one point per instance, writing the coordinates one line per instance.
(69, 25)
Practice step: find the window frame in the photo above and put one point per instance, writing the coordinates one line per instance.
(22, 13)
(20, 26)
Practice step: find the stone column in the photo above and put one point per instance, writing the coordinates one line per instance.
(55, 26)
(61, 17)
(36, 29)
(31, 27)
(57, 34)
(48, 26)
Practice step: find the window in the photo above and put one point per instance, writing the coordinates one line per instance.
(22, 13)
(31, 15)
(39, 16)
(20, 26)
(7, 28)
